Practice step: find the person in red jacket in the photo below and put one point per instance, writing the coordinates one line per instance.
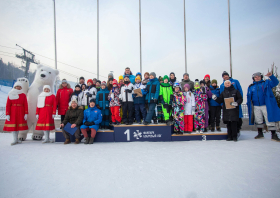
(16, 112)
(45, 112)
(62, 98)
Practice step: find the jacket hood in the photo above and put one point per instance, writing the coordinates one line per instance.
(68, 86)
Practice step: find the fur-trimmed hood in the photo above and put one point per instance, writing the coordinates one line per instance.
(68, 86)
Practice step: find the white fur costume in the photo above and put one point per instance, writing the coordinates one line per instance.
(44, 76)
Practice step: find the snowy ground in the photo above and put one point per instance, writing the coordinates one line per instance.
(247, 168)
(4, 90)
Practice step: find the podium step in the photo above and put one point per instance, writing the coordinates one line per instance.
(200, 136)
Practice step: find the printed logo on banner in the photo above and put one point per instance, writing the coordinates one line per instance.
(145, 134)
(137, 134)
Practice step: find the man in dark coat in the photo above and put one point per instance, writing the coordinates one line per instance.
(186, 80)
(74, 116)
(230, 114)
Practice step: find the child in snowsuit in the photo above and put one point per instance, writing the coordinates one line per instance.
(115, 103)
(152, 97)
(103, 102)
(89, 93)
(166, 97)
(178, 109)
(209, 96)
(215, 108)
(77, 95)
(127, 101)
(189, 109)
(139, 101)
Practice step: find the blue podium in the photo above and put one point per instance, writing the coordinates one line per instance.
(200, 137)
(141, 133)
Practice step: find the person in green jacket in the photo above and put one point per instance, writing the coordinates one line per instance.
(166, 98)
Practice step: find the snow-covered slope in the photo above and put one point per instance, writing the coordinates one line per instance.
(4, 90)
(196, 169)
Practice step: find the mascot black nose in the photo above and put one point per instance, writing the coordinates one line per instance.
(43, 75)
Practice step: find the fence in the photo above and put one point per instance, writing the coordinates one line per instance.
(7, 82)
(3, 114)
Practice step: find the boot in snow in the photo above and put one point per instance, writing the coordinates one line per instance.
(15, 137)
(67, 141)
(50, 140)
(87, 140)
(260, 134)
(235, 139)
(218, 128)
(274, 136)
(91, 140)
(212, 129)
(229, 139)
(46, 137)
(18, 139)
(205, 130)
(77, 141)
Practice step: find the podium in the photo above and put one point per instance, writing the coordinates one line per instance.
(201, 137)
(142, 133)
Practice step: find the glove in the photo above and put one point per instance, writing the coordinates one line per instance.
(214, 97)
(165, 105)
(203, 90)
(234, 104)
(25, 117)
(92, 123)
(8, 118)
(87, 93)
(155, 100)
(193, 110)
(87, 123)
(53, 116)
(37, 117)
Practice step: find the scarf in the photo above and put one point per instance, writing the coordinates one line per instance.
(14, 93)
(42, 97)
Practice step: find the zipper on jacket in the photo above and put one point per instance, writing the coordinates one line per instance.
(258, 95)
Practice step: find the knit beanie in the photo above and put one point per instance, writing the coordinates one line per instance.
(78, 86)
(214, 81)
(120, 78)
(89, 80)
(115, 82)
(111, 74)
(185, 74)
(207, 75)
(137, 78)
(126, 76)
(187, 85)
(224, 73)
(92, 100)
(153, 74)
(202, 82)
(196, 84)
(138, 73)
(64, 80)
(104, 83)
(165, 77)
(160, 78)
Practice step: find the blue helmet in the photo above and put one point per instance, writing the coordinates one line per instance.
(176, 84)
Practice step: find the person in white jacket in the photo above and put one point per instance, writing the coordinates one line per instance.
(77, 95)
(126, 100)
(89, 93)
(189, 109)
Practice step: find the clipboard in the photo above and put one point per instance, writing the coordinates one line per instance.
(228, 101)
(70, 130)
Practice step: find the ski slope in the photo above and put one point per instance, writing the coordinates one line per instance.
(196, 169)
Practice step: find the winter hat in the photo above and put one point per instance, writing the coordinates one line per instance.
(46, 87)
(82, 78)
(115, 82)
(202, 81)
(153, 74)
(225, 73)
(138, 73)
(147, 73)
(111, 74)
(172, 73)
(185, 74)
(126, 76)
(187, 85)
(120, 78)
(165, 77)
(78, 86)
(160, 78)
(138, 78)
(196, 84)
(214, 81)
(92, 100)
(98, 81)
(74, 100)
(64, 81)
(207, 75)
(104, 83)
(89, 80)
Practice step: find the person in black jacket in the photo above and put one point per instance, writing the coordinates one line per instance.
(230, 115)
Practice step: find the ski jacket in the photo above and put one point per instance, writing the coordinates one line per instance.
(152, 88)
(126, 93)
(74, 116)
(139, 100)
(102, 98)
(77, 96)
(62, 98)
(190, 102)
(113, 97)
(216, 91)
(166, 94)
(191, 83)
(92, 115)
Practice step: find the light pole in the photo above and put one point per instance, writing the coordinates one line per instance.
(55, 43)
(98, 39)
(229, 38)
(140, 36)
(185, 36)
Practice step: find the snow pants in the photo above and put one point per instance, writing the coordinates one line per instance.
(215, 115)
(151, 112)
(160, 115)
(199, 119)
(260, 112)
(127, 107)
(140, 109)
(232, 129)
(93, 132)
(167, 112)
(115, 114)
(188, 123)
(179, 120)
(105, 118)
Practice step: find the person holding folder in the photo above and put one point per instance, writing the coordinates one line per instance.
(231, 98)
(91, 121)
(74, 117)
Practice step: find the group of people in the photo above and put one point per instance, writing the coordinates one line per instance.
(189, 105)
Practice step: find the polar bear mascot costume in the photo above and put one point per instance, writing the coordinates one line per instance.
(44, 76)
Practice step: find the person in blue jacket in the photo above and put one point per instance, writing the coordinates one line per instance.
(237, 86)
(129, 73)
(152, 95)
(91, 121)
(261, 104)
(103, 102)
(215, 108)
(139, 102)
